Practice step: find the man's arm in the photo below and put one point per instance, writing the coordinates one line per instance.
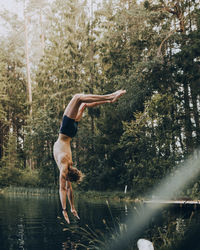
(71, 198)
(63, 193)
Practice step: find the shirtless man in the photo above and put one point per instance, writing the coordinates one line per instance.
(62, 148)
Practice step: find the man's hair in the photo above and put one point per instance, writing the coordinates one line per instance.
(74, 175)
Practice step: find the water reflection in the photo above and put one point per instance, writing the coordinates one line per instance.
(21, 234)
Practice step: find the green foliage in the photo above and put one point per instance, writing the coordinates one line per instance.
(147, 142)
(13, 109)
(10, 176)
(18, 177)
(29, 178)
(148, 49)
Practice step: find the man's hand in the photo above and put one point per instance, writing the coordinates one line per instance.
(64, 212)
(75, 213)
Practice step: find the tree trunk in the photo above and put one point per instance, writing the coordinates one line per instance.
(28, 64)
(196, 114)
(28, 74)
(188, 123)
(42, 33)
(1, 140)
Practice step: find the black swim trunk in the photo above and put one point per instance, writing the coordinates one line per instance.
(69, 126)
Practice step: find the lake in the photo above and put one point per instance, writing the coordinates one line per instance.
(35, 222)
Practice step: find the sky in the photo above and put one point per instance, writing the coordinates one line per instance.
(12, 5)
(16, 6)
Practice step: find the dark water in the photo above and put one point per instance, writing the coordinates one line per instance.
(35, 222)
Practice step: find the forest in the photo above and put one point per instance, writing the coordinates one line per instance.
(59, 48)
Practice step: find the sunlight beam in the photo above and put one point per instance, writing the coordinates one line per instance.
(173, 183)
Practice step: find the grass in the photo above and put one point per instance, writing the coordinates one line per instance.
(94, 239)
(94, 195)
(29, 191)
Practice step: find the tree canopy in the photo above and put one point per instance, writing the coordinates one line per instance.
(150, 48)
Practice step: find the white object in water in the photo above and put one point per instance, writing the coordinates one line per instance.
(125, 189)
(143, 244)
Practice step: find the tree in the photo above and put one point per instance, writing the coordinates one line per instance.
(148, 142)
(13, 111)
(60, 74)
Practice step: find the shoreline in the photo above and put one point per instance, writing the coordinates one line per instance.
(114, 196)
(96, 195)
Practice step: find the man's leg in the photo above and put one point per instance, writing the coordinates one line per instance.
(73, 106)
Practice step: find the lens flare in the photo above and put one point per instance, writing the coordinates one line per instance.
(176, 181)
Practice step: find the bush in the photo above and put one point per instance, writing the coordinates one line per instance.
(29, 178)
(10, 176)
(17, 177)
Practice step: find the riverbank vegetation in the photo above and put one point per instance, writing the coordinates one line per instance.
(168, 232)
(94, 196)
(57, 49)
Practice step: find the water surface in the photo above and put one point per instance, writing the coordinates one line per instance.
(35, 222)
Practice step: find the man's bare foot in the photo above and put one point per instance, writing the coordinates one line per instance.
(75, 213)
(118, 94)
(66, 216)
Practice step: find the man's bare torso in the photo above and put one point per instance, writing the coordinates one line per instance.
(62, 151)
